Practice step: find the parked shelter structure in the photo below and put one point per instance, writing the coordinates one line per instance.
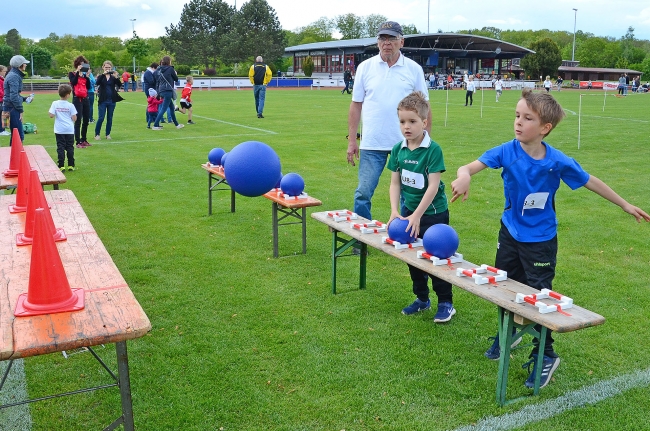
(448, 53)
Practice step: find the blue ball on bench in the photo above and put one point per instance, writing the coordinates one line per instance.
(397, 231)
(441, 241)
(215, 155)
(253, 168)
(292, 184)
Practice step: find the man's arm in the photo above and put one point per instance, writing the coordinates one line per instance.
(354, 117)
(251, 73)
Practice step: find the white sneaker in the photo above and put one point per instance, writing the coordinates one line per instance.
(5, 133)
(180, 126)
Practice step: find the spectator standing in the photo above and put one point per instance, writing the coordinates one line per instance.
(65, 115)
(134, 82)
(125, 80)
(12, 101)
(469, 94)
(347, 78)
(381, 83)
(108, 85)
(91, 96)
(621, 85)
(260, 75)
(80, 83)
(627, 83)
(3, 72)
(165, 77)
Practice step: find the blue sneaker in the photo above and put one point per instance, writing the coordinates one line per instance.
(416, 307)
(549, 365)
(494, 352)
(445, 311)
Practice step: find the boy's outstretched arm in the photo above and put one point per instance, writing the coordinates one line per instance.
(599, 187)
(460, 186)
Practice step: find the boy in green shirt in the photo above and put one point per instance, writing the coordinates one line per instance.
(416, 164)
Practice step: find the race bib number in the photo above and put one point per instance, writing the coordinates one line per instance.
(412, 179)
(535, 200)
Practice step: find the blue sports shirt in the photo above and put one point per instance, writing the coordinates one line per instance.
(529, 187)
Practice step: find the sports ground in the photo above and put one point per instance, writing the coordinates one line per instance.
(243, 341)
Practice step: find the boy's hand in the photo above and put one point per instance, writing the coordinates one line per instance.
(460, 187)
(637, 213)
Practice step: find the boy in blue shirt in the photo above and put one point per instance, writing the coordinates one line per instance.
(532, 170)
(416, 164)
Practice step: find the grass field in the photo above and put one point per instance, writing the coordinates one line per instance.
(242, 341)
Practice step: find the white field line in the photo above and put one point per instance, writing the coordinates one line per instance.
(174, 139)
(15, 418)
(220, 121)
(576, 399)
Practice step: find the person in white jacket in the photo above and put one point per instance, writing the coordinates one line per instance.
(469, 95)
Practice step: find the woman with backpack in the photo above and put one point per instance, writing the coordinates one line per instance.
(80, 83)
(165, 77)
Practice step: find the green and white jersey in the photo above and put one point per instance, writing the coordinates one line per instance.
(414, 168)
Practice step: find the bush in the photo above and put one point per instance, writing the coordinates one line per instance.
(308, 66)
(182, 69)
(210, 72)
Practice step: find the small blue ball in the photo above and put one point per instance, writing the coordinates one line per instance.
(397, 231)
(253, 168)
(215, 155)
(277, 185)
(223, 160)
(292, 184)
(441, 241)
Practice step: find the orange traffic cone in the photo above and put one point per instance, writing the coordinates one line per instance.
(49, 290)
(36, 199)
(23, 184)
(14, 161)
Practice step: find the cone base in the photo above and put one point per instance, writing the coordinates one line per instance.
(21, 239)
(75, 303)
(10, 173)
(15, 209)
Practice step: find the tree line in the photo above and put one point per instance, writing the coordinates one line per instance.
(216, 38)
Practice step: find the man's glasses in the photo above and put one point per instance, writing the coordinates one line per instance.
(384, 39)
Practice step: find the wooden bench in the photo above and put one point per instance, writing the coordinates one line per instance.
(39, 159)
(281, 208)
(111, 314)
(511, 315)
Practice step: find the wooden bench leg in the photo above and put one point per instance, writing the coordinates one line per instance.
(338, 251)
(505, 341)
(211, 188)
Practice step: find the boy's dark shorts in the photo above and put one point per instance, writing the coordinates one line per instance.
(185, 105)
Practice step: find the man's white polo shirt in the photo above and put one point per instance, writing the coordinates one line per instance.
(380, 88)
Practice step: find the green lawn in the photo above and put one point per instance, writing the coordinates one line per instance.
(243, 341)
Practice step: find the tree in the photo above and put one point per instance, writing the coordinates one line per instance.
(13, 40)
(137, 47)
(42, 58)
(410, 29)
(350, 26)
(256, 30)
(372, 23)
(598, 52)
(545, 61)
(6, 52)
(200, 35)
(308, 66)
(51, 43)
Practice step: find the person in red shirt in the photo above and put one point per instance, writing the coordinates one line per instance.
(125, 79)
(186, 101)
(153, 102)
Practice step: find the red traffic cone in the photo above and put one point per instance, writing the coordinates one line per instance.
(14, 161)
(36, 199)
(23, 185)
(49, 290)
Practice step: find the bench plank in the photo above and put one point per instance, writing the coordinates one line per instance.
(39, 159)
(502, 294)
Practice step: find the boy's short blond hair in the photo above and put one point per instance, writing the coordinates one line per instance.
(544, 105)
(189, 78)
(415, 102)
(64, 90)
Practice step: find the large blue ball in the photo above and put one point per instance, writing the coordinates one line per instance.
(215, 155)
(253, 168)
(397, 231)
(292, 184)
(441, 241)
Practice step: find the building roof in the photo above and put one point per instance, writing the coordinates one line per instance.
(448, 44)
(598, 70)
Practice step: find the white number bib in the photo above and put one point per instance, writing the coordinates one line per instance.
(412, 179)
(535, 200)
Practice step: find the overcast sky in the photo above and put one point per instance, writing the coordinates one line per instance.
(36, 19)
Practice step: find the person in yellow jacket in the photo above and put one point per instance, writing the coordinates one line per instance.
(260, 75)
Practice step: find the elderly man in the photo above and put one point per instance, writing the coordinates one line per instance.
(381, 82)
(12, 103)
(259, 75)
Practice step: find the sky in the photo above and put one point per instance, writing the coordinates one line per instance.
(114, 17)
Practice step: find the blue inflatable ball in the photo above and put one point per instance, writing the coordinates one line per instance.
(215, 155)
(277, 185)
(223, 159)
(397, 231)
(441, 241)
(292, 184)
(253, 168)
